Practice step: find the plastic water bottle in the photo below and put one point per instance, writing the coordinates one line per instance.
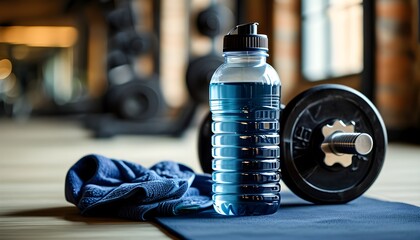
(245, 106)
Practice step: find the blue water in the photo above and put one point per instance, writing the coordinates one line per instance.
(245, 148)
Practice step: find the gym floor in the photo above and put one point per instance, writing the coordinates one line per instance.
(35, 156)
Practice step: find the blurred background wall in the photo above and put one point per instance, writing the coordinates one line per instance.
(145, 64)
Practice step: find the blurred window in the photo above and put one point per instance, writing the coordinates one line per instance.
(332, 38)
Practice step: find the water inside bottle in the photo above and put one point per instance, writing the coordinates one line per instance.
(245, 147)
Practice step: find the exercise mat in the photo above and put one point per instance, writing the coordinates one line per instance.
(363, 218)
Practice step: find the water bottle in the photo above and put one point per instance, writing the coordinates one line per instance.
(245, 107)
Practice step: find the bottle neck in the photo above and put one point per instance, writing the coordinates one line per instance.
(246, 57)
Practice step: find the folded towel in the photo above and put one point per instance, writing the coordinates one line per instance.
(100, 186)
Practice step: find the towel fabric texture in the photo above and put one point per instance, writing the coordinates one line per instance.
(100, 186)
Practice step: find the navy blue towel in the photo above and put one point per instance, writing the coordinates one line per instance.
(100, 186)
(363, 218)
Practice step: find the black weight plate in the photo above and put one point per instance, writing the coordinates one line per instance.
(214, 20)
(134, 100)
(199, 73)
(204, 144)
(132, 42)
(116, 58)
(303, 169)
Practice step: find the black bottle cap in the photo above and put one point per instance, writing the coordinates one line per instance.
(246, 38)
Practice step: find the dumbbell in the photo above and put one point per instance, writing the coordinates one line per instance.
(332, 140)
(210, 22)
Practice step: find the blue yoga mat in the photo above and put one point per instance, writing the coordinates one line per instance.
(363, 218)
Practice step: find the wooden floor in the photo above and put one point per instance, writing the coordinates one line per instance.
(35, 156)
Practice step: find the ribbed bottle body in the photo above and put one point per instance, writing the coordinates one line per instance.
(245, 106)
